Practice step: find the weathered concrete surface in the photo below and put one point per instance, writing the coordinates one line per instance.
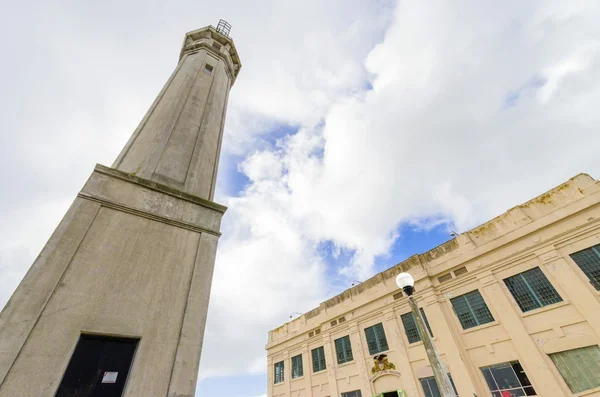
(135, 253)
(178, 141)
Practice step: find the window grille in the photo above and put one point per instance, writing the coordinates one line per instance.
(410, 326)
(376, 340)
(460, 271)
(532, 290)
(471, 310)
(580, 368)
(297, 369)
(507, 379)
(445, 277)
(430, 387)
(588, 261)
(333, 323)
(343, 350)
(341, 320)
(318, 359)
(279, 372)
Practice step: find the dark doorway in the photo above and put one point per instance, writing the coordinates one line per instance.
(98, 367)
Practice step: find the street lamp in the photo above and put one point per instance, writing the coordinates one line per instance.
(407, 283)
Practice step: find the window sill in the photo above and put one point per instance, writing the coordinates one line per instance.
(480, 327)
(587, 392)
(545, 308)
(345, 364)
(279, 383)
(381, 352)
(298, 378)
(320, 372)
(419, 343)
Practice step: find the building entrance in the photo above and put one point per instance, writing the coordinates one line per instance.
(98, 368)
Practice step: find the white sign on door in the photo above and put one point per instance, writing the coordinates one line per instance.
(110, 377)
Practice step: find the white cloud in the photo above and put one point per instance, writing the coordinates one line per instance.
(434, 141)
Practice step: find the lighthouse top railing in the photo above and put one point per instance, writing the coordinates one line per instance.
(223, 27)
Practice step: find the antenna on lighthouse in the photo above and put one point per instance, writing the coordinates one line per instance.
(223, 27)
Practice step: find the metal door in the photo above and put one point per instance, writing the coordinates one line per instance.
(98, 367)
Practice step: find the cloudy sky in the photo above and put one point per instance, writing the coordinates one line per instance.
(358, 133)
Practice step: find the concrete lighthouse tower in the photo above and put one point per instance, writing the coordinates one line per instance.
(115, 304)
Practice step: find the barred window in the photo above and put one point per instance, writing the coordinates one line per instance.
(297, 369)
(410, 326)
(376, 340)
(471, 310)
(532, 290)
(355, 393)
(507, 379)
(318, 359)
(279, 372)
(430, 387)
(580, 368)
(343, 350)
(588, 261)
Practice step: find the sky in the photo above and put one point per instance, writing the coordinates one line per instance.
(358, 133)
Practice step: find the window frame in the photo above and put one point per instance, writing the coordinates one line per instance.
(595, 249)
(520, 378)
(469, 303)
(431, 381)
(578, 362)
(281, 378)
(355, 393)
(533, 293)
(409, 317)
(320, 359)
(346, 345)
(301, 374)
(379, 345)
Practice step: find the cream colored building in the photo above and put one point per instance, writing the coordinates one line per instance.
(513, 306)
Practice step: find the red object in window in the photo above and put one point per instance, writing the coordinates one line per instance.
(506, 393)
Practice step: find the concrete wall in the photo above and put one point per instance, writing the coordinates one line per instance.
(138, 267)
(540, 233)
(178, 141)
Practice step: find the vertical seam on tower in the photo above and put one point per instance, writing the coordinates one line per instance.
(184, 311)
(207, 109)
(211, 193)
(50, 296)
(187, 97)
(136, 133)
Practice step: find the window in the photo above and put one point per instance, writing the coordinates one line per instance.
(507, 380)
(580, 368)
(532, 290)
(376, 339)
(355, 393)
(410, 326)
(318, 359)
(430, 387)
(208, 69)
(297, 369)
(471, 310)
(343, 350)
(279, 372)
(216, 46)
(588, 261)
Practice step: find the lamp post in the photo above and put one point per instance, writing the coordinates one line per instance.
(406, 282)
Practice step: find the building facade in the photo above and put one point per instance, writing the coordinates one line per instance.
(513, 307)
(115, 304)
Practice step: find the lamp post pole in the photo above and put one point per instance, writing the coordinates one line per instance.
(406, 282)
